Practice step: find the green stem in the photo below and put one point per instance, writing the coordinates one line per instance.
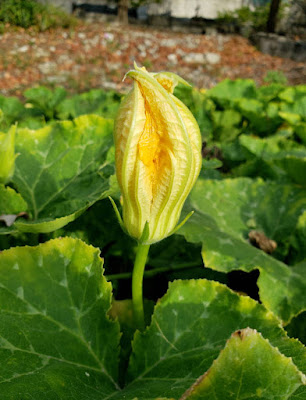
(137, 278)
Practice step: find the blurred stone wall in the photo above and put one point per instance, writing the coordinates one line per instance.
(294, 22)
(207, 9)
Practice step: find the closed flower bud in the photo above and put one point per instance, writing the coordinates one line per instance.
(7, 155)
(158, 155)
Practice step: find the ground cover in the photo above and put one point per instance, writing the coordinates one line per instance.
(225, 296)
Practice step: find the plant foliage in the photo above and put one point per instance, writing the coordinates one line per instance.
(28, 13)
(66, 323)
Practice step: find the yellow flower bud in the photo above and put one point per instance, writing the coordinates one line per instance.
(7, 155)
(158, 155)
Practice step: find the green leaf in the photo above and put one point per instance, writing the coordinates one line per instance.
(62, 169)
(56, 341)
(259, 168)
(32, 122)
(189, 328)
(11, 205)
(290, 117)
(297, 327)
(99, 227)
(292, 93)
(270, 92)
(297, 248)
(12, 110)
(95, 101)
(300, 130)
(240, 372)
(212, 163)
(226, 211)
(7, 155)
(276, 158)
(293, 164)
(225, 124)
(263, 119)
(266, 148)
(249, 107)
(294, 100)
(200, 106)
(227, 91)
(11, 202)
(123, 311)
(45, 100)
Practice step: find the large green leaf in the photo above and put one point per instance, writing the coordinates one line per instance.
(238, 372)
(62, 169)
(56, 341)
(190, 326)
(226, 211)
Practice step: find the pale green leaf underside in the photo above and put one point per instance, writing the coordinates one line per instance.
(226, 211)
(56, 341)
(248, 367)
(62, 169)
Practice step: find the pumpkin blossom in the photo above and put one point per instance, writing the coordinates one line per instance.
(158, 155)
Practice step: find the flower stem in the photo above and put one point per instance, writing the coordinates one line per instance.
(137, 278)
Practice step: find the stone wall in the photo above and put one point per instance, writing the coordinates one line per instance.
(280, 46)
(207, 9)
(294, 22)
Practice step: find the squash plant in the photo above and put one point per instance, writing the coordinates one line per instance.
(67, 326)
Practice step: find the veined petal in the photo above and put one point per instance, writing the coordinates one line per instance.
(169, 80)
(158, 152)
(128, 128)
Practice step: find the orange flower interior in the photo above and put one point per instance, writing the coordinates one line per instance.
(153, 149)
(166, 84)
